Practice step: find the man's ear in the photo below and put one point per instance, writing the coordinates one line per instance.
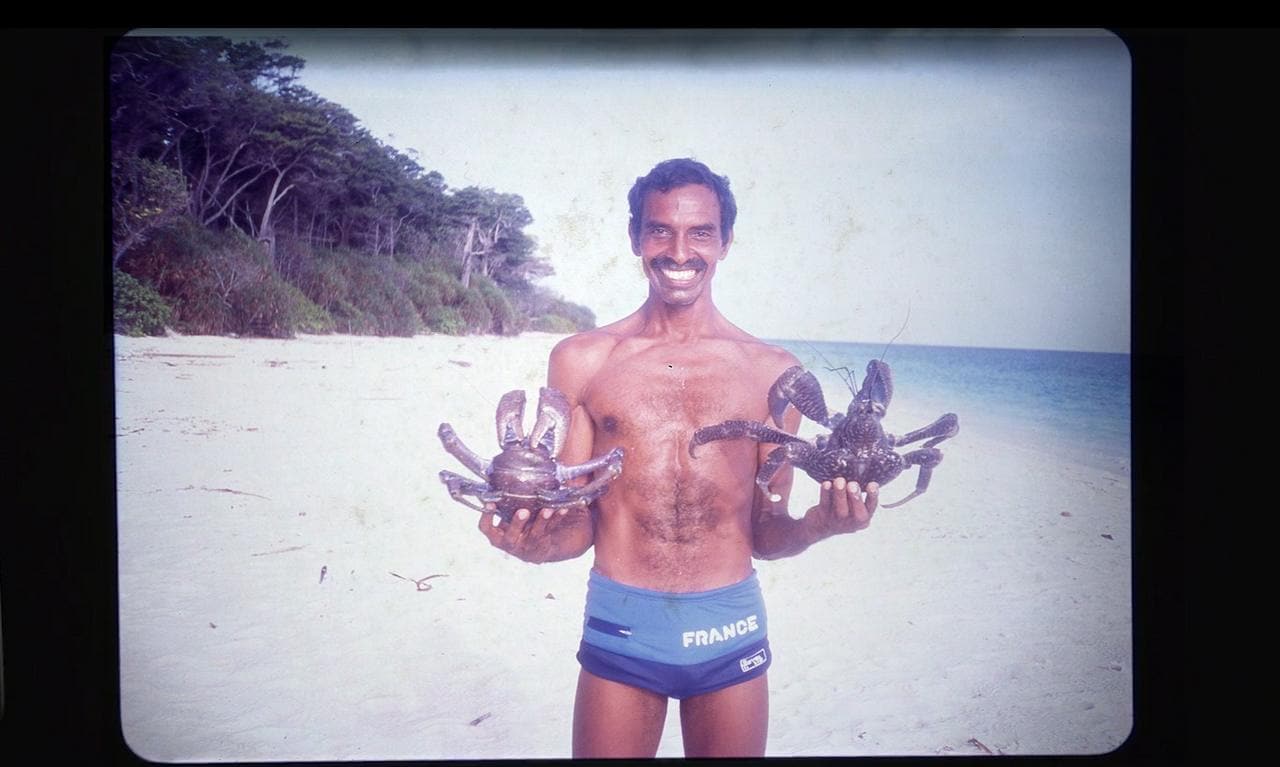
(724, 249)
(634, 236)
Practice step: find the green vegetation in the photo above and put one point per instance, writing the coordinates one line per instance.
(243, 203)
(139, 309)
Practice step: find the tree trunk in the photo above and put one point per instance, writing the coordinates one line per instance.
(467, 254)
(266, 230)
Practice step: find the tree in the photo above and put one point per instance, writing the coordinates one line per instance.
(302, 126)
(222, 132)
(145, 195)
(492, 240)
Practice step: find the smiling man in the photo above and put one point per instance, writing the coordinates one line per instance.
(674, 608)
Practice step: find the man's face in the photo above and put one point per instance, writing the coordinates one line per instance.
(680, 242)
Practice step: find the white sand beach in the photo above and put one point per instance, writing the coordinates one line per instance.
(296, 584)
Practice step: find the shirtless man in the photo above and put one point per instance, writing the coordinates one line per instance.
(673, 604)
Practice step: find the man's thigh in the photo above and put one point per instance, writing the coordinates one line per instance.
(733, 721)
(611, 719)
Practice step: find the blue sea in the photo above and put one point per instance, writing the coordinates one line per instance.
(1073, 401)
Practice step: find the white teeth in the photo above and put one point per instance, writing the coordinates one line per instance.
(681, 275)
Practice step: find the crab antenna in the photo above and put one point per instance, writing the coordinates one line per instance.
(895, 335)
(847, 376)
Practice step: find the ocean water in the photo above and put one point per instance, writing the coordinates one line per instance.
(1078, 402)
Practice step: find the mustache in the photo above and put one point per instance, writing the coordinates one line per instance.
(662, 262)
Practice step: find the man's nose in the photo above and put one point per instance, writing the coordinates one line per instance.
(680, 250)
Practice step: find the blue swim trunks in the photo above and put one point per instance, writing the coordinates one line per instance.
(674, 644)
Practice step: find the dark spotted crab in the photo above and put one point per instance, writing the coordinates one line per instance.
(526, 475)
(857, 449)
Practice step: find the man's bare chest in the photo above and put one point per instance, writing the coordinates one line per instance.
(659, 394)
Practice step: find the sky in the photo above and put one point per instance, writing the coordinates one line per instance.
(972, 186)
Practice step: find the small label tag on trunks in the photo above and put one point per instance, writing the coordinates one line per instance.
(605, 627)
(751, 661)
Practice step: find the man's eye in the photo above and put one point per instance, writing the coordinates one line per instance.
(702, 234)
(658, 231)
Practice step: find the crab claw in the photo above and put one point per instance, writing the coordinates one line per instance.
(798, 387)
(511, 418)
(552, 426)
(877, 387)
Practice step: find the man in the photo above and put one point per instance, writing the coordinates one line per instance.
(673, 604)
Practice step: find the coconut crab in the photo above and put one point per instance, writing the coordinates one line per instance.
(526, 475)
(857, 448)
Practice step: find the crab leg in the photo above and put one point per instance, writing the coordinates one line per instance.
(581, 496)
(926, 458)
(944, 428)
(564, 473)
(791, 451)
(460, 486)
(739, 430)
(460, 451)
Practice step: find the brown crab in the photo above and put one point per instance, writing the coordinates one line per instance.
(857, 449)
(526, 475)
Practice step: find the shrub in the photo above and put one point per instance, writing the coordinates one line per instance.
(401, 317)
(171, 256)
(349, 318)
(198, 271)
(293, 255)
(445, 319)
(553, 323)
(475, 312)
(423, 293)
(539, 303)
(446, 286)
(260, 307)
(138, 309)
(272, 308)
(374, 288)
(308, 318)
(224, 282)
(321, 280)
(504, 319)
(581, 317)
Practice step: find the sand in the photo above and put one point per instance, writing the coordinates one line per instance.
(295, 583)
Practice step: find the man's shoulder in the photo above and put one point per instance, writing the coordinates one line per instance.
(577, 358)
(581, 347)
(755, 348)
(776, 354)
(772, 361)
(764, 355)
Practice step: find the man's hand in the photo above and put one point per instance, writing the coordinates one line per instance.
(841, 509)
(548, 536)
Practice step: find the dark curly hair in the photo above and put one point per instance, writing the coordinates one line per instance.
(668, 175)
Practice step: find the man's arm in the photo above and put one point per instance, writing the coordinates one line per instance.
(841, 509)
(552, 535)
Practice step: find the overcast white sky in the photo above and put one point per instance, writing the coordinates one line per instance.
(983, 179)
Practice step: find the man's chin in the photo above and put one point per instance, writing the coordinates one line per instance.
(682, 297)
(676, 294)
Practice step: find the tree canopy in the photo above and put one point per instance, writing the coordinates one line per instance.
(214, 135)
